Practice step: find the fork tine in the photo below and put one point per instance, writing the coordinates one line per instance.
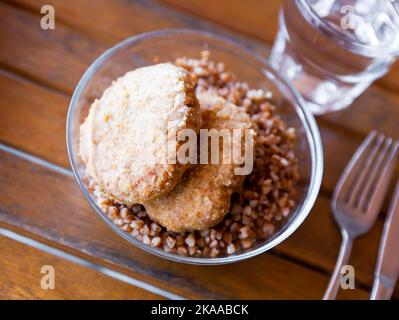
(374, 171)
(364, 173)
(345, 183)
(373, 203)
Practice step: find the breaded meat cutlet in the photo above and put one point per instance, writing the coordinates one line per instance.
(202, 198)
(123, 140)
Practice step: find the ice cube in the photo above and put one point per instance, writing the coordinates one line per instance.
(365, 7)
(384, 28)
(323, 7)
(365, 32)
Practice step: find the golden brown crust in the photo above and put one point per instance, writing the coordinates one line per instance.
(202, 198)
(123, 141)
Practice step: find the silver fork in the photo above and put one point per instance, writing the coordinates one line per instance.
(359, 194)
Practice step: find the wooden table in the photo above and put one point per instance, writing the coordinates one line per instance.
(44, 219)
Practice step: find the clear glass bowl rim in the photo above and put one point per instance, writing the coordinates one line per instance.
(310, 126)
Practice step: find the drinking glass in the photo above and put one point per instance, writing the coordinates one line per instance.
(332, 50)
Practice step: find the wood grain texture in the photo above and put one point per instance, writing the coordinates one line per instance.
(377, 108)
(49, 205)
(25, 135)
(255, 18)
(61, 216)
(20, 277)
(360, 118)
(56, 58)
(33, 136)
(119, 19)
(39, 128)
(35, 120)
(45, 135)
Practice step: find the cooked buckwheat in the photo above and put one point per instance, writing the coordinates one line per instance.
(268, 195)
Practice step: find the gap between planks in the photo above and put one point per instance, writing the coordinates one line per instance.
(261, 45)
(44, 160)
(85, 263)
(67, 172)
(323, 123)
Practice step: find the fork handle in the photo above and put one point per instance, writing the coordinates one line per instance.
(343, 258)
(382, 290)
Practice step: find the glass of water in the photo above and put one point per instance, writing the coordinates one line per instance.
(332, 50)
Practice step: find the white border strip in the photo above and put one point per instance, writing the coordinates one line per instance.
(67, 256)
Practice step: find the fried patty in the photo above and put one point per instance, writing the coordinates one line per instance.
(202, 198)
(123, 140)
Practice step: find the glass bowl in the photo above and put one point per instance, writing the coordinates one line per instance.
(167, 45)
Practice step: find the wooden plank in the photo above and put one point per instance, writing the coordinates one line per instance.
(31, 108)
(116, 20)
(328, 134)
(39, 128)
(49, 205)
(35, 120)
(43, 134)
(317, 242)
(31, 136)
(57, 57)
(20, 277)
(126, 17)
(377, 108)
(255, 18)
(339, 146)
